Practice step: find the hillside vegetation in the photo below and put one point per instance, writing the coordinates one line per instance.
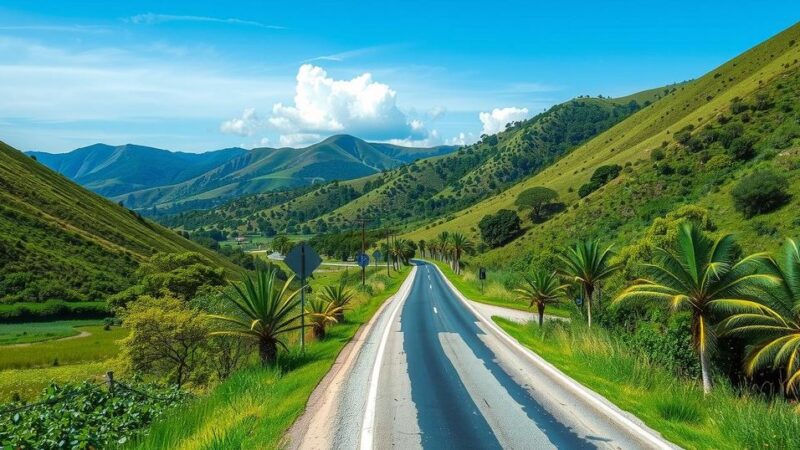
(260, 170)
(62, 242)
(433, 187)
(691, 147)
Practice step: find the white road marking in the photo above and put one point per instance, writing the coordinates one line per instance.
(435, 311)
(431, 286)
(579, 390)
(368, 424)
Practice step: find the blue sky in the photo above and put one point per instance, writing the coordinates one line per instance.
(196, 76)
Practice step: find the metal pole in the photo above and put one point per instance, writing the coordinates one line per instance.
(388, 253)
(363, 252)
(303, 298)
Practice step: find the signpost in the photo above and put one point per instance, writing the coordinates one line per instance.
(482, 277)
(303, 260)
(376, 255)
(363, 261)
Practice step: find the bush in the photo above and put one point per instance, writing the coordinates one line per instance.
(500, 228)
(760, 192)
(52, 310)
(86, 416)
(601, 176)
(658, 154)
(742, 147)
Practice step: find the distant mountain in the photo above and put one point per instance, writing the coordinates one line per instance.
(112, 171)
(61, 241)
(143, 177)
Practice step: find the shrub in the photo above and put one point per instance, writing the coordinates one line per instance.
(499, 228)
(601, 176)
(742, 147)
(760, 192)
(658, 154)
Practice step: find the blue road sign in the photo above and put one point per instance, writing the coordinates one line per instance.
(362, 260)
(377, 254)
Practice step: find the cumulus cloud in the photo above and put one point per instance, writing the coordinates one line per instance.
(461, 139)
(245, 125)
(495, 121)
(360, 106)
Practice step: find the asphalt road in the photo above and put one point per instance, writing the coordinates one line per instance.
(432, 374)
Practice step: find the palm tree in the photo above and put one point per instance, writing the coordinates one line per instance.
(703, 276)
(777, 327)
(586, 264)
(339, 296)
(459, 244)
(444, 243)
(320, 314)
(421, 244)
(541, 289)
(270, 310)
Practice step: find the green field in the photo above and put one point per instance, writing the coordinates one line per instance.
(26, 370)
(674, 406)
(255, 407)
(21, 333)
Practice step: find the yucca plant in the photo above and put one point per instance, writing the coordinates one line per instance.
(340, 296)
(270, 309)
(775, 329)
(542, 288)
(585, 264)
(321, 313)
(703, 276)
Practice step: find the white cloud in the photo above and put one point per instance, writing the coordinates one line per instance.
(245, 125)
(299, 139)
(496, 120)
(155, 19)
(360, 106)
(461, 139)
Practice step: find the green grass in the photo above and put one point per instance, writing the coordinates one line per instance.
(29, 383)
(494, 293)
(255, 407)
(671, 405)
(21, 333)
(99, 346)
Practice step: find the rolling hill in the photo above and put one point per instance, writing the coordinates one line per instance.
(112, 171)
(432, 187)
(61, 241)
(680, 156)
(260, 170)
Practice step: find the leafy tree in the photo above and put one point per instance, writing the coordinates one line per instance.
(271, 312)
(775, 329)
(586, 264)
(320, 314)
(601, 176)
(537, 199)
(499, 228)
(703, 276)
(761, 192)
(542, 288)
(421, 244)
(181, 275)
(658, 154)
(167, 337)
(282, 244)
(340, 296)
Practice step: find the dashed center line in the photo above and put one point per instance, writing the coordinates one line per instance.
(435, 311)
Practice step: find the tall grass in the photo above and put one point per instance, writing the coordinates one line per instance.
(674, 406)
(100, 345)
(256, 406)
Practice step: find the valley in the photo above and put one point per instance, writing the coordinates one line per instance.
(603, 272)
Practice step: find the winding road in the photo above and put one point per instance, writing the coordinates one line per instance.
(431, 371)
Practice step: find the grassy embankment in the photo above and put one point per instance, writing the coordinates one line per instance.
(672, 405)
(495, 292)
(27, 370)
(256, 406)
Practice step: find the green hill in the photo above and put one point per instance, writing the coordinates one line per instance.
(432, 187)
(692, 147)
(61, 241)
(260, 170)
(113, 171)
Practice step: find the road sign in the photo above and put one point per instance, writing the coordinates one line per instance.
(303, 260)
(578, 302)
(482, 273)
(377, 254)
(362, 260)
